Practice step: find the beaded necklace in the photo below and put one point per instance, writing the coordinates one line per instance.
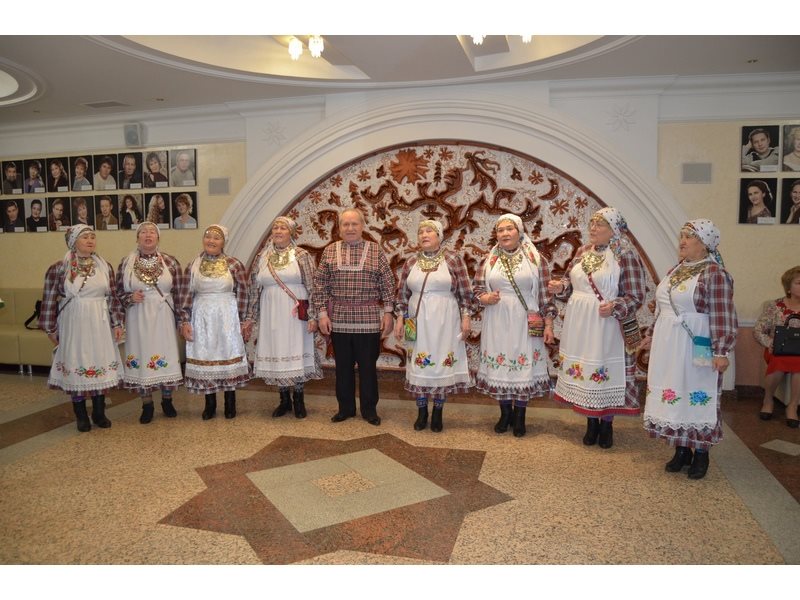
(687, 270)
(279, 258)
(82, 266)
(592, 260)
(148, 269)
(428, 263)
(213, 266)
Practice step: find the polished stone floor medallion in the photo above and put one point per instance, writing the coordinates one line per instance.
(299, 498)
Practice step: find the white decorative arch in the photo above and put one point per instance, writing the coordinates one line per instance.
(385, 120)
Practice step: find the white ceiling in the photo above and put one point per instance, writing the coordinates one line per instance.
(60, 76)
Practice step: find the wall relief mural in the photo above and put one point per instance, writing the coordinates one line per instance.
(466, 186)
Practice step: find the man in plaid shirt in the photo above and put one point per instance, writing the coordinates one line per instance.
(354, 296)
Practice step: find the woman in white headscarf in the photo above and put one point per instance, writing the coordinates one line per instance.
(605, 284)
(81, 315)
(280, 289)
(150, 288)
(517, 322)
(435, 290)
(214, 306)
(695, 330)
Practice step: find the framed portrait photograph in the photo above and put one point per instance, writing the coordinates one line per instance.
(757, 201)
(129, 175)
(183, 168)
(130, 210)
(107, 216)
(58, 218)
(791, 147)
(34, 176)
(790, 201)
(13, 216)
(12, 177)
(36, 215)
(155, 169)
(82, 210)
(105, 168)
(184, 210)
(81, 173)
(760, 149)
(57, 174)
(158, 205)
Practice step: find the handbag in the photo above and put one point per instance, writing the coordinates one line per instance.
(702, 354)
(535, 320)
(300, 306)
(302, 310)
(786, 341)
(410, 323)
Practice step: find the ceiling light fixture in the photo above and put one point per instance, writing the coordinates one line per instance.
(295, 48)
(526, 39)
(316, 45)
(478, 39)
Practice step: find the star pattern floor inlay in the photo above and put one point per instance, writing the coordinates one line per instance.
(298, 498)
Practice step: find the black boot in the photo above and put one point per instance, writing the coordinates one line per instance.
(682, 457)
(167, 408)
(699, 465)
(80, 415)
(505, 417)
(285, 405)
(147, 413)
(592, 431)
(230, 404)
(436, 419)
(99, 412)
(606, 434)
(519, 421)
(211, 407)
(422, 418)
(299, 405)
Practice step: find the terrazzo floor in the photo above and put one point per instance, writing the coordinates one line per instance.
(261, 491)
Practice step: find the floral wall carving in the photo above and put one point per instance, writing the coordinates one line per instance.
(466, 186)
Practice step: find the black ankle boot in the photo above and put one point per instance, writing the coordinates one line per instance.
(211, 407)
(505, 417)
(436, 419)
(99, 412)
(682, 457)
(168, 409)
(147, 413)
(230, 404)
(299, 405)
(592, 431)
(606, 434)
(519, 421)
(82, 419)
(699, 465)
(422, 418)
(285, 405)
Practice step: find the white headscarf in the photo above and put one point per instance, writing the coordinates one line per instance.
(222, 229)
(708, 233)
(619, 242)
(73, 233)
(143, 223)
(529, 249)
(435, 225)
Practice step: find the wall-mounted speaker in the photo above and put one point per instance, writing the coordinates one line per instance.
(134, 135)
